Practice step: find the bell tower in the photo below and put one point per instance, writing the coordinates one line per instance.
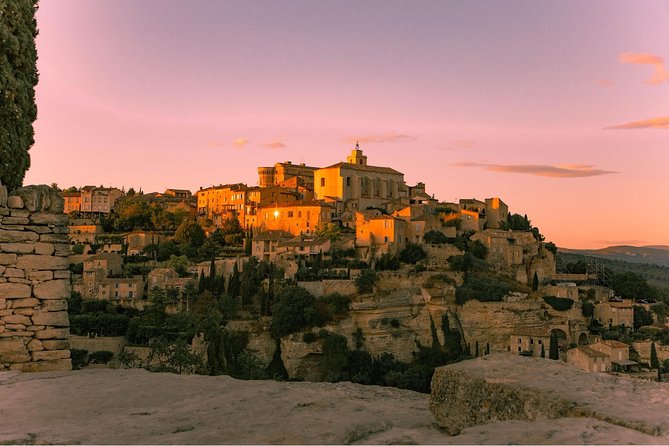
(356, 156)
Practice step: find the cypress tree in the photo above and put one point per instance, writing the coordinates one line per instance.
(654, 362)
(553, 352)
(535, 282)
(18, 77)
(543, 351)
(487, 348)
(234, 282)
(476, 352)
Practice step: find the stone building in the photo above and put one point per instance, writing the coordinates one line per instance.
(531, 340)
(299, 217)
(359, 185)
(378, 234)
(615, 314)
(72, 201)
(220, 202)
(619, 352)
(265, 245)
(589, 359)
(99, 200)
(281, 172)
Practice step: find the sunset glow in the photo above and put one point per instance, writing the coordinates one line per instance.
(560, 108)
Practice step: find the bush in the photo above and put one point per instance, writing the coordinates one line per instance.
(78, 249)
(587, 309)
(78, 358)
(642, 317)
(435, 237)
(559, 303)
(478, 249)
(365, 282)
(295, 310)
(388, 262)
(99, 357)
(412, 253)
(482, 286)
(462, 263)
(309, 337)
(337, 304)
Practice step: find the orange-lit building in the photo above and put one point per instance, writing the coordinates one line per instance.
(221, 202)
(359, 185)
(378, 234)
(296, 217)
(72, 201)
(99, 199)
(280, 172)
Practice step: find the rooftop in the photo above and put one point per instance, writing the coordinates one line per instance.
(365, 168)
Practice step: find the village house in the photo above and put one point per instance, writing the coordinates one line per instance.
(530, 340)
(378, 234)
(589, 359)
(265, 245)
(99, 200)
(166, 279)
(124, 291)
(96, 268)
(295, 217)
(618, 352)
(71, 201)
(615, 314)
(183, 194)
(83, 231)
(303, 247)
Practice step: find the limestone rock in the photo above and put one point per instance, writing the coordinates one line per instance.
(14, 272)
(58, 344)
(44, 248)
(52, 289)
(46, 366)
(7, 259)
(16, 319)
(502, 387)
(54, 305)
(54, 238)
(14, 290)
(35, 345)
(53, 333)
(41, 262)
(14, 202)
(40, 276)
(28, 302)
(52, 318)
(19, 248)
(49, 355)
(10, 236)
(35, 198)
(13, 350)
(42, 218)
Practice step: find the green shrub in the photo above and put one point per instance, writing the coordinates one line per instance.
(435, 237)
(295, 310)
(387, 262)
(337, 304)
(482, 286)
(365, 282)
(559, 303)
(102, 356)
(309, 337)
(587, 309)
(412, 253)
(78, 358)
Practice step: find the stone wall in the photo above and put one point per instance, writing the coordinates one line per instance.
(34, 280)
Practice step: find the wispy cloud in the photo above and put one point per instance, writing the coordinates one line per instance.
(661, 122)
(241, 142)
(274, 145)
(660, 72)
(621, 242)
(380, 138)
(459, 144)
(606, 83)
(541, 170)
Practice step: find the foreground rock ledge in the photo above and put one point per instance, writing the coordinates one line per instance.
(503, 387)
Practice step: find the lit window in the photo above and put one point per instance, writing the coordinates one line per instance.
(322, 182)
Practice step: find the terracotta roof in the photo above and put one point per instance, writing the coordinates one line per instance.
(592, 352)
(365, 168)
(70, 194)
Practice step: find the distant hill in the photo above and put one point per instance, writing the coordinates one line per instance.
(655, 274)
(654, 254)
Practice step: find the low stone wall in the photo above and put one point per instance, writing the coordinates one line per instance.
(34, 280)
(329, 286)
(101, 343)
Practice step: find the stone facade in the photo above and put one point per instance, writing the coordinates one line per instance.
(34, 281)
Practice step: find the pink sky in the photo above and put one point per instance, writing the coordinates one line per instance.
(560, 108)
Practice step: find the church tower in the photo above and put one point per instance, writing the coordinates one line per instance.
(356, 156)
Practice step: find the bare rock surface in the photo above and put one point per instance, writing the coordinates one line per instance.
(105, 406)
(504, 387)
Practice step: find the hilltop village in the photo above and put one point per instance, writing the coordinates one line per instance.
(344, 272)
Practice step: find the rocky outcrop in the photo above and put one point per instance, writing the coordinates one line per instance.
(34, 280)
(163, 408)
(503, 387)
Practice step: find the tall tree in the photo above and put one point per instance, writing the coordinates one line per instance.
(553, 352)
(18, 77)
(654, 362)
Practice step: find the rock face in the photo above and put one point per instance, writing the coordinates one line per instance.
(32, 303)
(162, 408)
(504, 387)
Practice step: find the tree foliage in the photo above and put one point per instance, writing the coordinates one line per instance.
(365, 282)
(412, 253)
(434, 237)
(18, 77)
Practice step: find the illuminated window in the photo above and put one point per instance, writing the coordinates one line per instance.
(322, 182)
